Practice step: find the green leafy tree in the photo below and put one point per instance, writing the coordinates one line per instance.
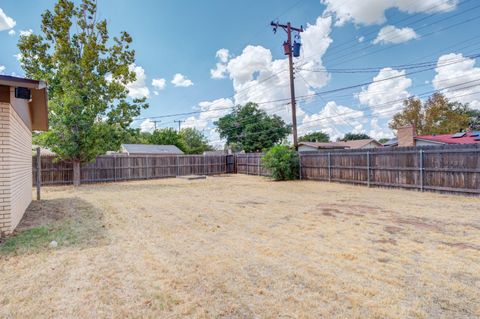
(251, 128)
(315, 137)
(412, 114)
(355, 136)
(136, 136)
(383, 140)
(167, 136)
(437, 115)
(283, 162)
(195, 141)
(87, 72)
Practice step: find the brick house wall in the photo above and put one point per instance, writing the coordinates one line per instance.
(15, 168)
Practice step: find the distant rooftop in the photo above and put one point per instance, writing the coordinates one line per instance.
(151, 149)
(353, 144)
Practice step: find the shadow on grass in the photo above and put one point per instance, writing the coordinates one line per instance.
(71, 222)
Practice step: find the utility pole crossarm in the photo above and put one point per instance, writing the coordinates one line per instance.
(285, 26)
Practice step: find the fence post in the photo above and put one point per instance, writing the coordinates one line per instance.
(329, 168)
(299, 165)
(368, 168)
(178, 166)
(205, 172)
(421, 169)
(115, 168)
(258, 165)
(129, 167)
(146, 173)
(39, 172)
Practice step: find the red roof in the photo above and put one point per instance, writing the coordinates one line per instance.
(468, 138)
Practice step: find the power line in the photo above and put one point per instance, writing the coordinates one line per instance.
(388, 103)
(317, 93)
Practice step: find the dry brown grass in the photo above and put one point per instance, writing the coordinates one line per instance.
(243, 246)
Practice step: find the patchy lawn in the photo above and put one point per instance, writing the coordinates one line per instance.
(242, 246)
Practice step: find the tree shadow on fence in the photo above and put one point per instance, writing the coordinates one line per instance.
(68, 222)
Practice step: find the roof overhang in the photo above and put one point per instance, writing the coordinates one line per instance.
(38, 104)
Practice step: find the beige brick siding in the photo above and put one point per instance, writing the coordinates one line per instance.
(15, 168)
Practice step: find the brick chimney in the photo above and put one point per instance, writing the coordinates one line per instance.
(406, 136)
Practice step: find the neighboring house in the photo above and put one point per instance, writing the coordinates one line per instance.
(149, 149)
(318, 146)
(354, 144)
(23, 109)
(406, 136)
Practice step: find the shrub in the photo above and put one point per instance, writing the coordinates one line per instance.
(282, 162)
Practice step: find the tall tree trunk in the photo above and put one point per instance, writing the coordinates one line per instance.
(76, 173)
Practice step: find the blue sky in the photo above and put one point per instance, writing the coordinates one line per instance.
(224, 53)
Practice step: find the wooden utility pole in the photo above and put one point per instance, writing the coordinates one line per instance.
(288, 51)
(155, 124)
(179, 124)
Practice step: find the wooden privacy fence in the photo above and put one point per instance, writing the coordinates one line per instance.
(448, 168)
(112, 168)
(250, 164)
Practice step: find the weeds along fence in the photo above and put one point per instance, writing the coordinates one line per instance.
(452, 168)
(113, 168)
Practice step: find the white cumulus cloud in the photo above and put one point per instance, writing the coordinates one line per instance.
(12, 32)
(333, 119)
(385, 96)
(392, 34)
(6, 22)
(211, 111)
(221, 67)
(26, 33)
(159, 84)
(181, 80)
(373, 11)
(147, 126)
(379, 129)
(458, 81)
(2, 69)
(138, 89)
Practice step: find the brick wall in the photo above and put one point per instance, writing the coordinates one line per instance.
(5, 218)
(15, 168)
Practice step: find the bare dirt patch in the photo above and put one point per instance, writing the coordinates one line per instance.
(245, 247)
(69, 222)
